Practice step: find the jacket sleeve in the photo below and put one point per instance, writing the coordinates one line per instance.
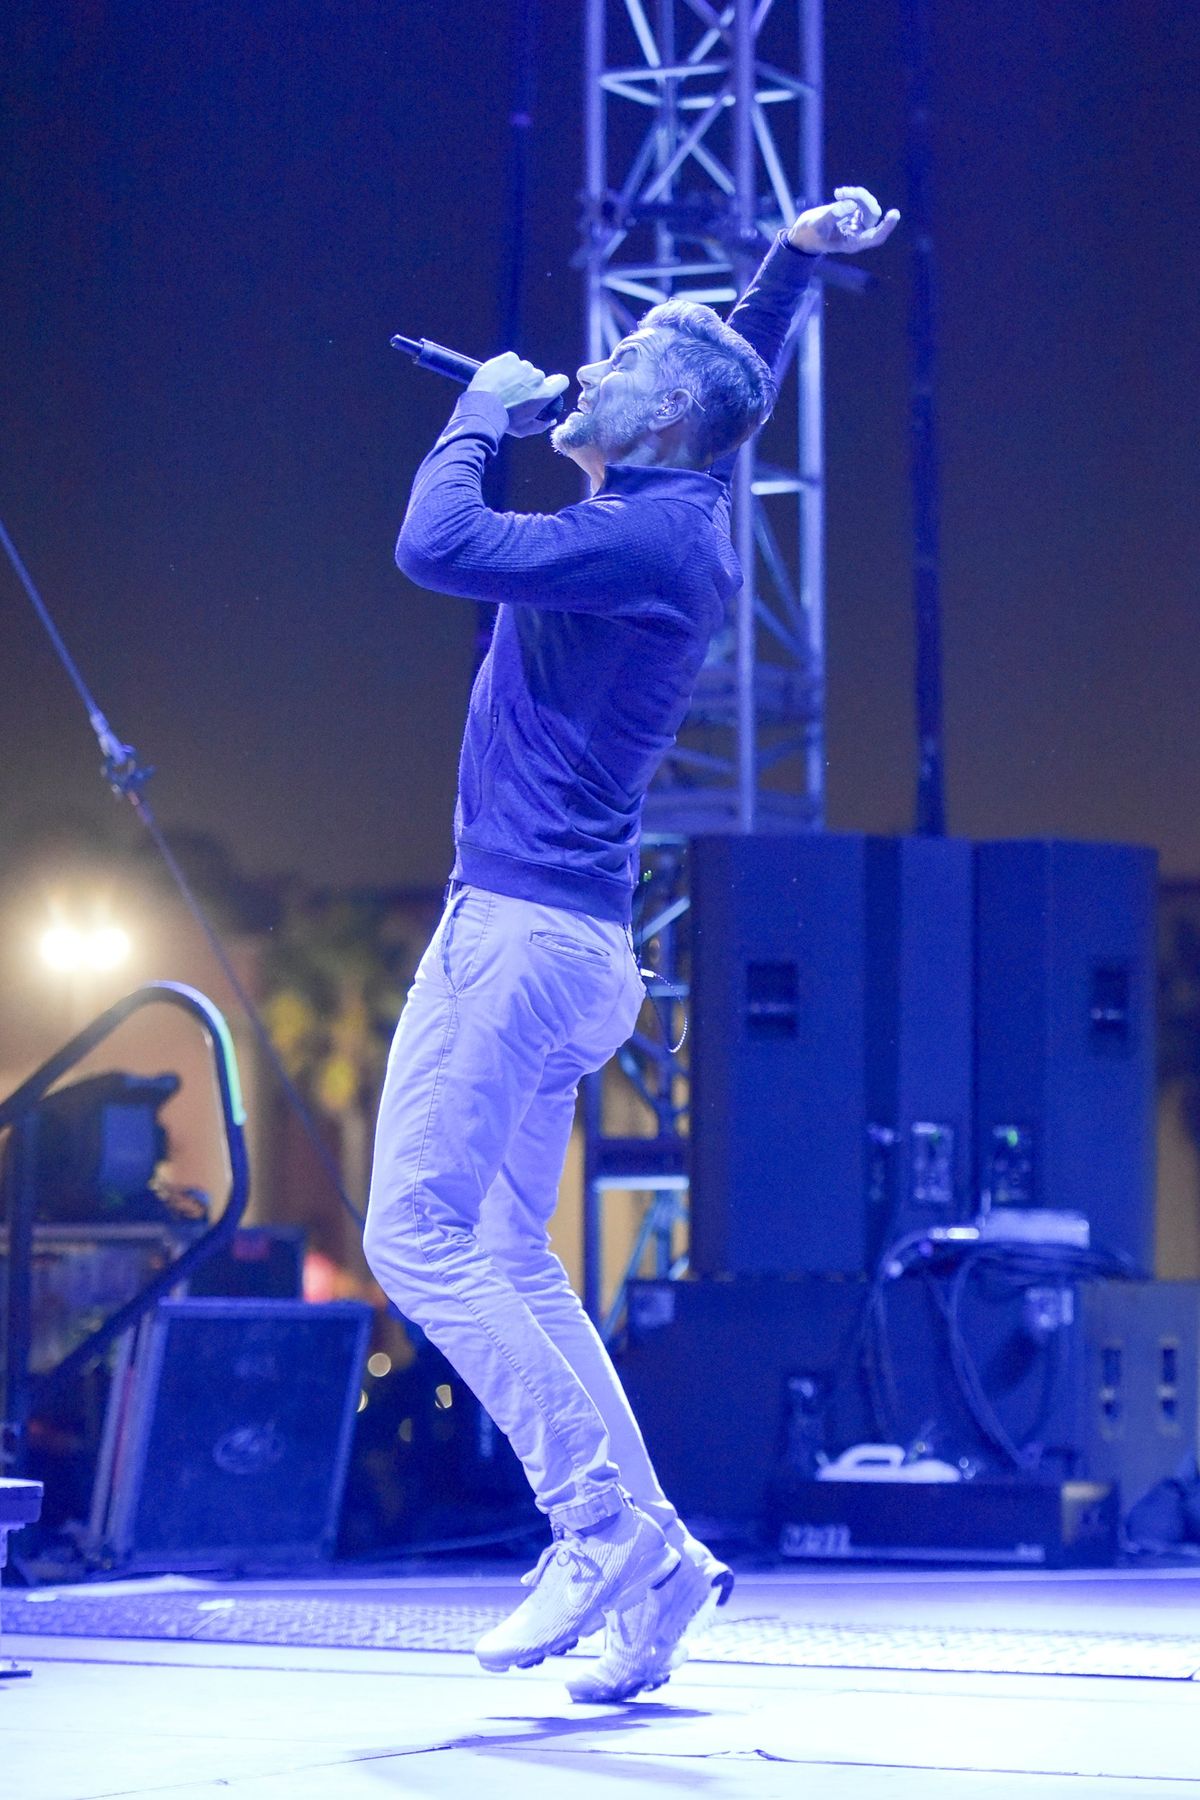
(578, 560)
(765, 311)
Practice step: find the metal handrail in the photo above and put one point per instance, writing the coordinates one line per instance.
(17, 1111)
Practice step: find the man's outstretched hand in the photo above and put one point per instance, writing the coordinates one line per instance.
(854, 221)
(523, 389)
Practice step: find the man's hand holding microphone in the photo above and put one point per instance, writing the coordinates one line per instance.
(523, 389)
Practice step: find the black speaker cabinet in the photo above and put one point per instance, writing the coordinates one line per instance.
(831, 1048)
(1065, 1035)
(227, 1441)
(734, 1380)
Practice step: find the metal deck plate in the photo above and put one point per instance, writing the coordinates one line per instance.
(395, 1625)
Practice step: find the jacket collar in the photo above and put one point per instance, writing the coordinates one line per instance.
(651, 483)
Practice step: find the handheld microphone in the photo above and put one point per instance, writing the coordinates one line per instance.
(428, 355)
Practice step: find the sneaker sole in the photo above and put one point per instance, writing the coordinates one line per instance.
(662, 1572)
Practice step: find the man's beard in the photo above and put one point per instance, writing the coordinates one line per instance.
(613, 433)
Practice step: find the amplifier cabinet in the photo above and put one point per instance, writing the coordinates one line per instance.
(734, 1380)
(227, 1440)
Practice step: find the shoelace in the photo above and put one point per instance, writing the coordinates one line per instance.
(534, 1575)
(562, 1548)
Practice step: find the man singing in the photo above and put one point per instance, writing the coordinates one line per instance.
(606, 612)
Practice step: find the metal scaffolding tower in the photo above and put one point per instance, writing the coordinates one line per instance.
(703, 136)
(699, 146)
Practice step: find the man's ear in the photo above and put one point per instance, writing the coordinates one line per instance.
(671, 409)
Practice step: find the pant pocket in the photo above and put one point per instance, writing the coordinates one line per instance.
(464, 926)
(571, 949)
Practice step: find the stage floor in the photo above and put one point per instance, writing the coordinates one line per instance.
(818, 1683)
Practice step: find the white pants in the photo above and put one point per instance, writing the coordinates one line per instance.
(512, 1003)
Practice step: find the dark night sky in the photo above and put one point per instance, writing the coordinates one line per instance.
(214, 216)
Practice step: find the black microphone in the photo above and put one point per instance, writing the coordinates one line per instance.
(428, 355)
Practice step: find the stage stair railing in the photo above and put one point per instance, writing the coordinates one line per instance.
(23, 1390)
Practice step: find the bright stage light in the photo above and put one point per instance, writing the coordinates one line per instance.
(107, 947)
(62, 948)
(66, 949)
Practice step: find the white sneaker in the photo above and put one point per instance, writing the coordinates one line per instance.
(644, 1644)
(577, 1579)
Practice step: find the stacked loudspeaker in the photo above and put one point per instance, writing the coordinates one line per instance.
(891, 1034)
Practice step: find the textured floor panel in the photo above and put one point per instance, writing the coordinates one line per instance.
(396, 1625)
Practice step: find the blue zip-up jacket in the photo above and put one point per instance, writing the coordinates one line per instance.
(606, 612)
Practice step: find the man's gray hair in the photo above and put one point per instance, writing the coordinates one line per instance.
(716, 365)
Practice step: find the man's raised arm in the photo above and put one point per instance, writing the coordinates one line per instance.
(853, 221)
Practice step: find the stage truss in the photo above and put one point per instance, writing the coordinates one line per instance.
(703, 136)
(700, 145)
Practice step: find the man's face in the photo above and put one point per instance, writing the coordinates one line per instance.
(617, 400)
